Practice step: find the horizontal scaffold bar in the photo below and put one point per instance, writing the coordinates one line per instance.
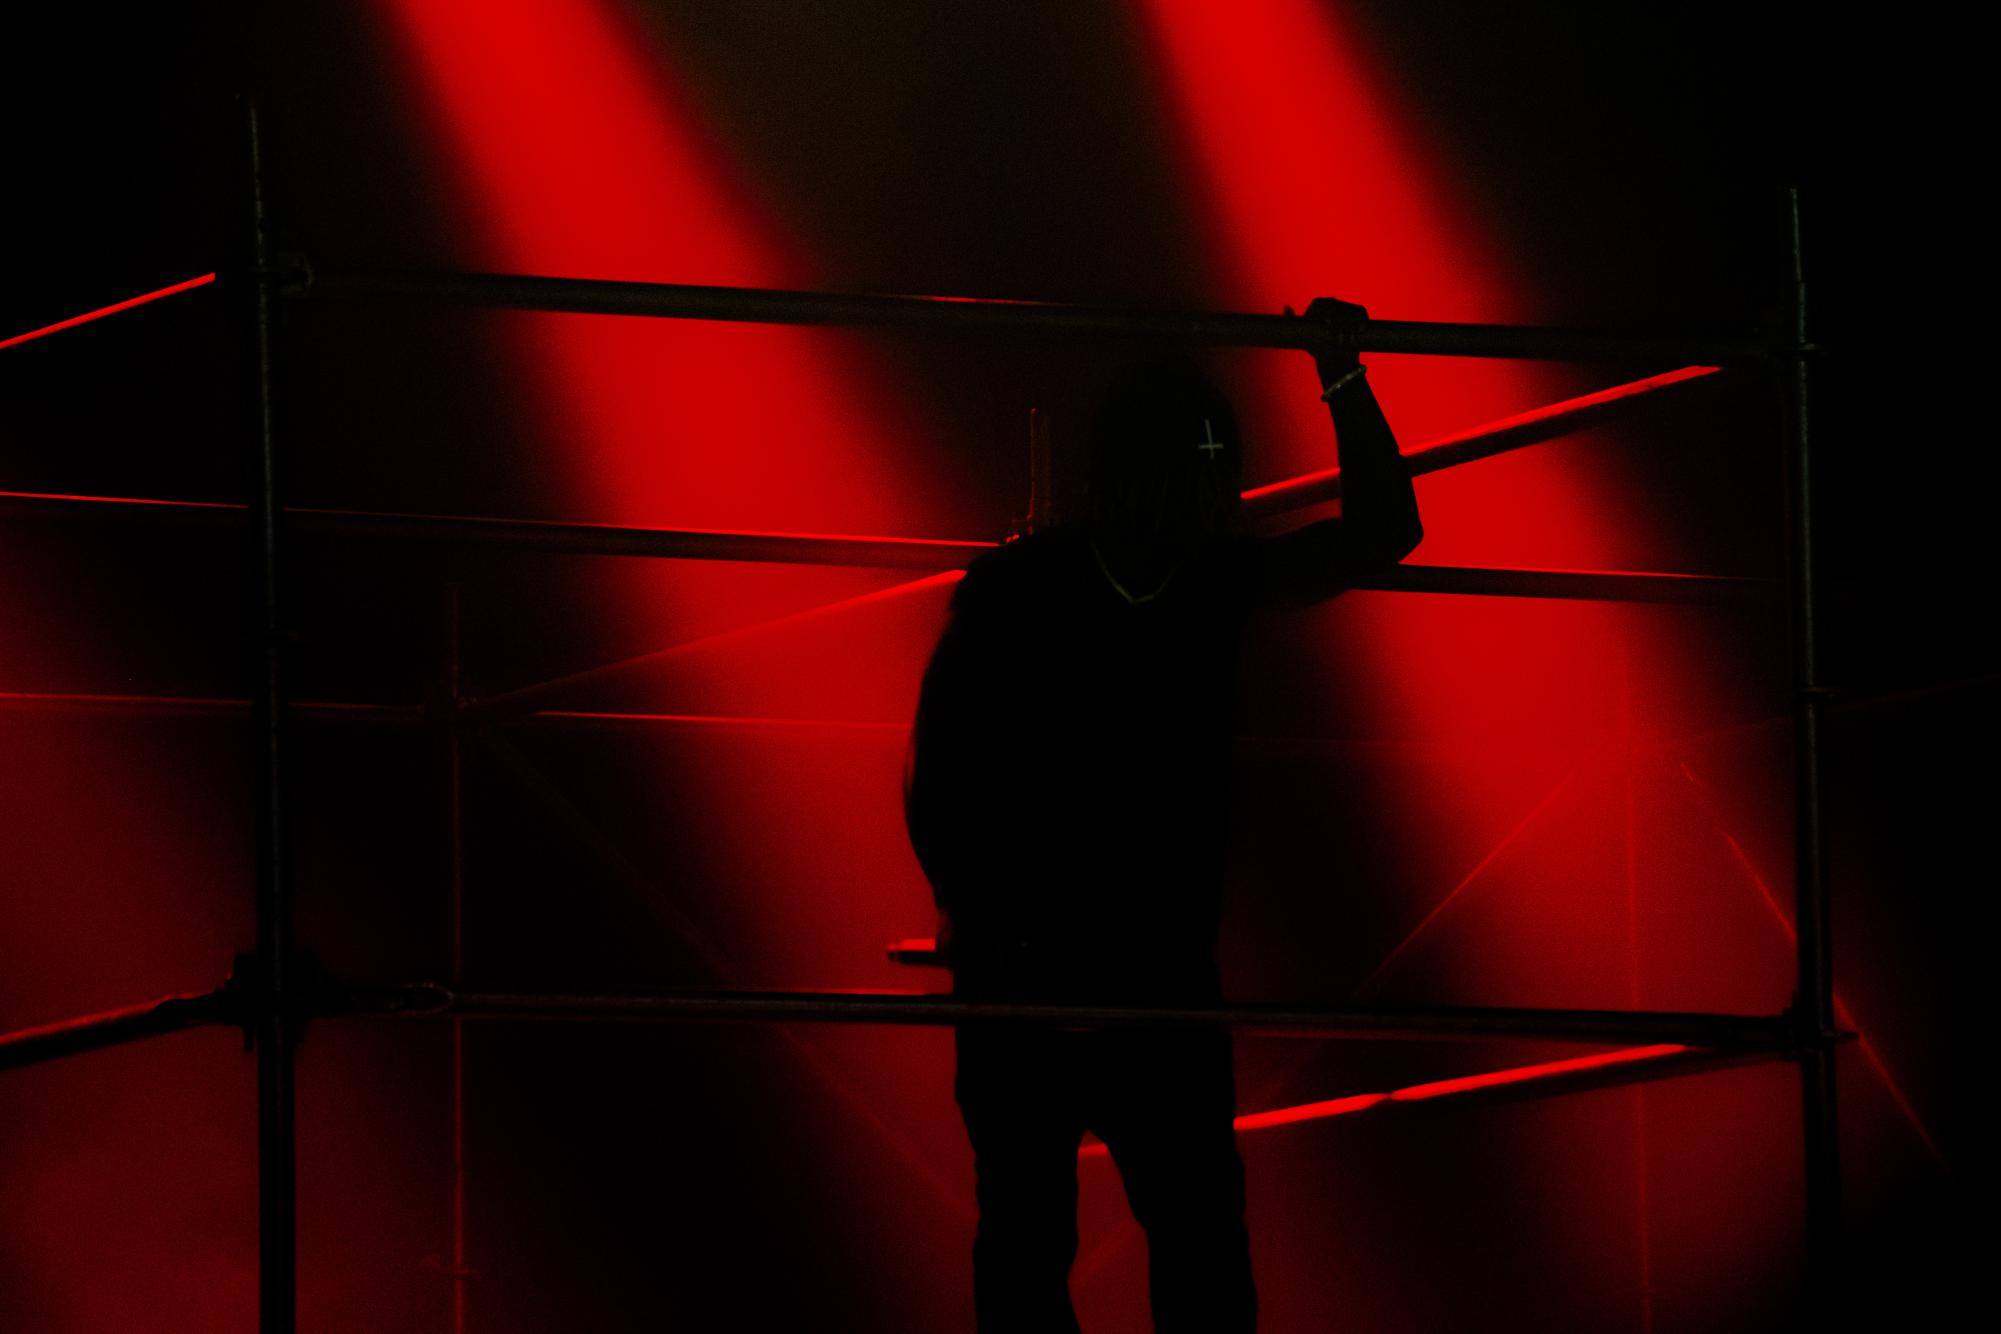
(751, 305)
(1750, 1033)
(834, 549)
(110, 1028)
(581, 539)
(556, 537)
(1574, 585)
(1619, 1069)
(199, 706)
(1696, 1029)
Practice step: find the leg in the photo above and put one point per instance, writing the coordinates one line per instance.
(1017, 1095)
(1163, 1104)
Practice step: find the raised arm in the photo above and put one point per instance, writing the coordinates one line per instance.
(1379, 522)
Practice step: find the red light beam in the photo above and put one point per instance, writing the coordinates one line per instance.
(528, 699)
(1524, 1073)
(1533, 427)
(116, 307)
(1443, 1088)
(1843, 1014)
(1507, 841)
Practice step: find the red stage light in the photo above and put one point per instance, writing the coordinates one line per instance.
(581, 155)
(1301, 162)
(585, 161)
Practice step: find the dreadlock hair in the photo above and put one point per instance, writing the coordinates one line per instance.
(1164, 461)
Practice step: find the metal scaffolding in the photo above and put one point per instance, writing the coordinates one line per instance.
(273, 991)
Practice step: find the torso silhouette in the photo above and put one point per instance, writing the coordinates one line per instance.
(1070, 784)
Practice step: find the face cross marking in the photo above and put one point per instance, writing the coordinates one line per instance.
(1209, 444)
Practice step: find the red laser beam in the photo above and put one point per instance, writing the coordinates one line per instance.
(1522, 429)
(1507, 840)
(1843, 1014)
(529, 698)
(816, 1063)
(102, 312)
(1331, 1108)
(1524, 1073)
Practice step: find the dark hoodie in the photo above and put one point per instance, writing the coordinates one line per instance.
(1070, 778)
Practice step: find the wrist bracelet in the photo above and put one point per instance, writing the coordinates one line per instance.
(1341, 383)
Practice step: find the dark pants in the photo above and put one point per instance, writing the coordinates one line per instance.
(1162, 1103)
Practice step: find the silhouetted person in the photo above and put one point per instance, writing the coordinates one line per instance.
(1067, 796)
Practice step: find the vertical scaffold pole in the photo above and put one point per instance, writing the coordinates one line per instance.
(452, 757)
(1813, 999)
(276, 1003)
